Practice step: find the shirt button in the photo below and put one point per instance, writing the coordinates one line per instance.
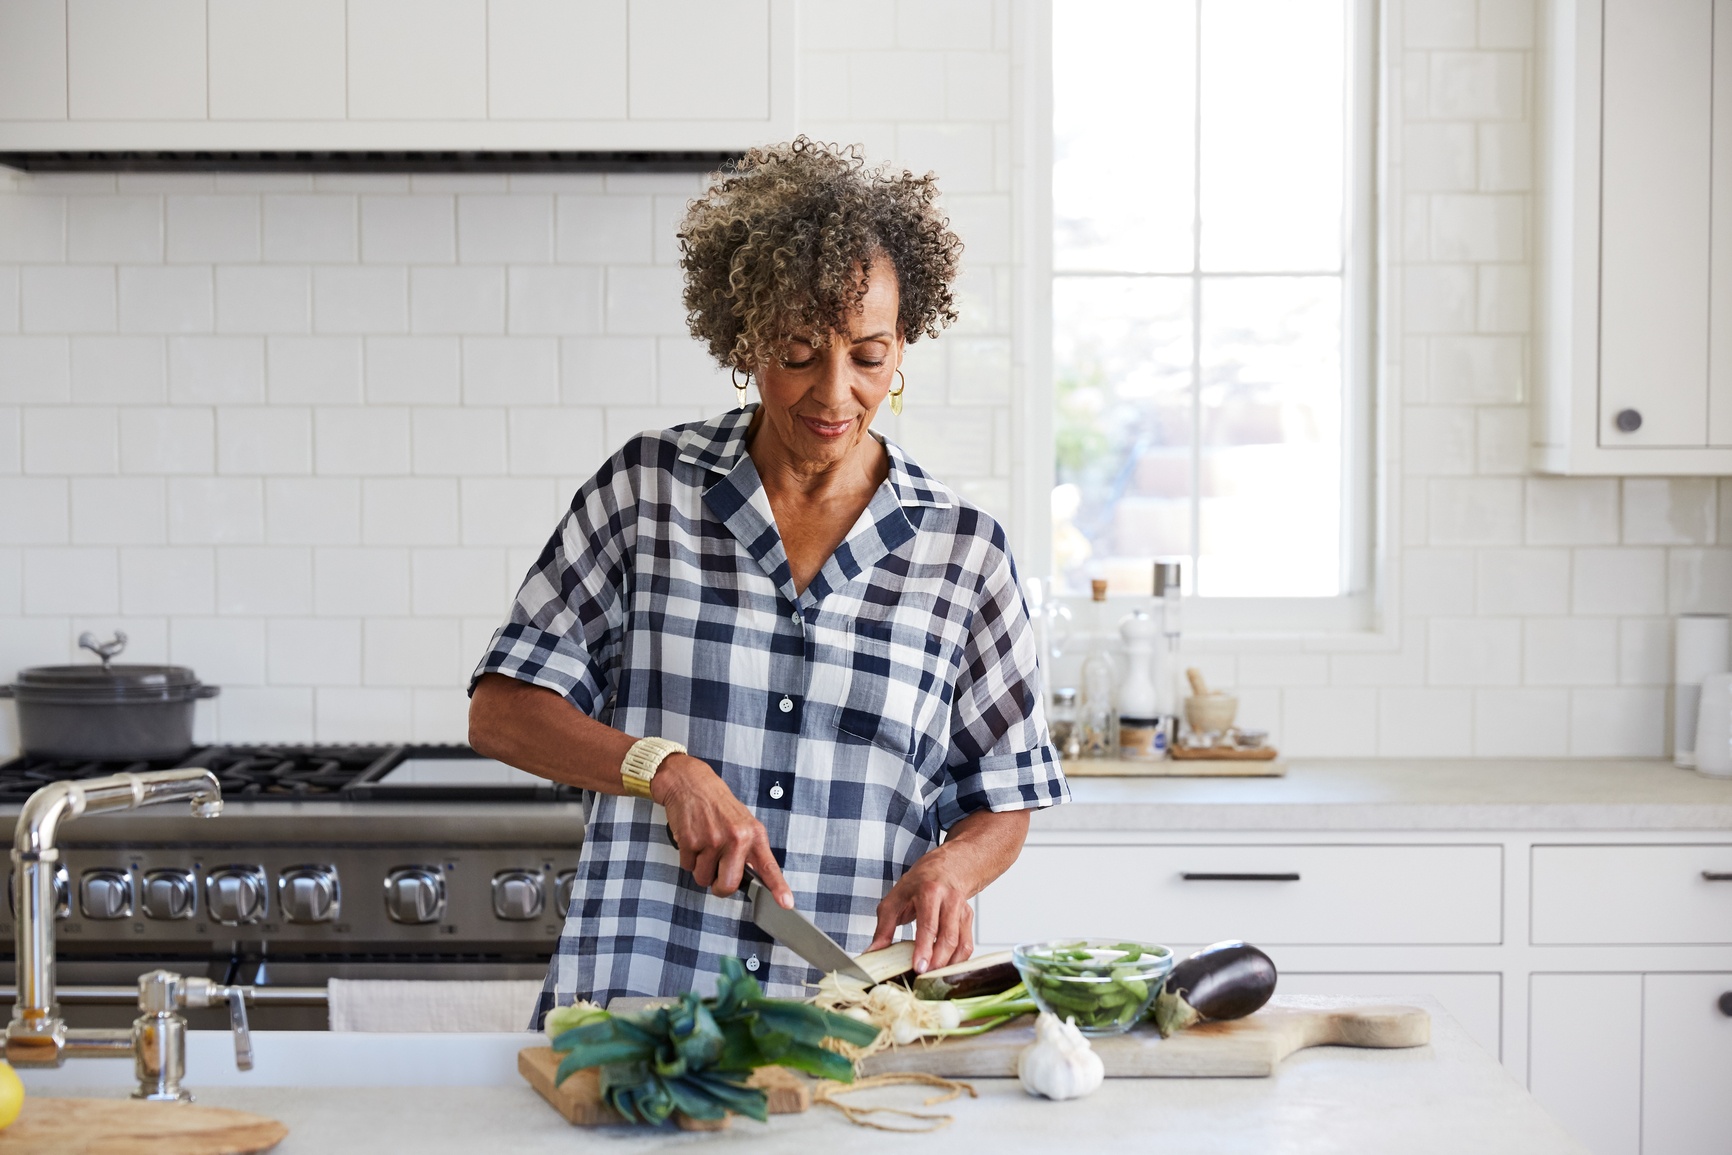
(752, 964)
(797, 618)
(787, 704)
(776, 790)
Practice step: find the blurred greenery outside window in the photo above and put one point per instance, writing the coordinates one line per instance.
(1211, 204)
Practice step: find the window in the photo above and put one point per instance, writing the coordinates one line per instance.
(1210, 295)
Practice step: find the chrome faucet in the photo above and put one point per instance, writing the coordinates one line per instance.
(37, 1036)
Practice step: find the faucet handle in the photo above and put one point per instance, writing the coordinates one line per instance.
(238, 1025)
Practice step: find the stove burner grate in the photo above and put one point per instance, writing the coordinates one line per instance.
(262, 772)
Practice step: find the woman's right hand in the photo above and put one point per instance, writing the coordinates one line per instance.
(717, 836)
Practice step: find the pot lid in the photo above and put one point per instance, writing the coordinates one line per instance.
(115, 681)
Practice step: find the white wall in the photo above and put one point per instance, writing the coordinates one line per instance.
(305, 434)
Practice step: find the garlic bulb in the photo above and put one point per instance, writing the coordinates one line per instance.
(1059, 1064)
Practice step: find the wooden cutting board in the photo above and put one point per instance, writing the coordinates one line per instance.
(1244, 1048)
(134, 1127)
(1174, 768)
(579, 1097)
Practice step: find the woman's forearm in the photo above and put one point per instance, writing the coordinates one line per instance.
(983, 846)
(536, 730)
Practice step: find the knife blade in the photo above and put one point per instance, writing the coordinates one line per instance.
(799, 934)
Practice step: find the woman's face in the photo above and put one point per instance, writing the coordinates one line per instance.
(819, 401)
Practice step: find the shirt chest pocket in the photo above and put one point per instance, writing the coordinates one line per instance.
(897, 686)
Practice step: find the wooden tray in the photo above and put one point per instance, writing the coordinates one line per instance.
(1216, 767)
(50, 1126)
(1245, 1048)
(579, 1097)
(1223, 754)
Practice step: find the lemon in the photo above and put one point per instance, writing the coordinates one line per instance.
(11, 1095)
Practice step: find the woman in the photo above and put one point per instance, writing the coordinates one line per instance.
(769, 639)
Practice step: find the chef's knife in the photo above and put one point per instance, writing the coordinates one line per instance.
(796, 932)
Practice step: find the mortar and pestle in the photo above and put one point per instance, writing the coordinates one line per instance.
(1208, 711)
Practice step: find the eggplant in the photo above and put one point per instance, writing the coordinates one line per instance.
(1228, 980)
(987, 974)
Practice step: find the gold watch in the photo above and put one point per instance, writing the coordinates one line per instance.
(642, 761)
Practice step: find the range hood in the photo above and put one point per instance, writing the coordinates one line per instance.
(370, 161)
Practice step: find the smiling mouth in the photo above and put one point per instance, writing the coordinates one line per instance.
(827, 429)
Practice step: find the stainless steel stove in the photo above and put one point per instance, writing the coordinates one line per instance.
(416, 862)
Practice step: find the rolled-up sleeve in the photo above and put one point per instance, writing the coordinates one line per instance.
(1001, 757)
(563, 631)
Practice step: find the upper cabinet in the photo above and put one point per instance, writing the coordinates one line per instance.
(245, 75)
(1635, 349)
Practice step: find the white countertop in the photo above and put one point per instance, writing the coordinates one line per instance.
(1410, 794)
(1443, 1099)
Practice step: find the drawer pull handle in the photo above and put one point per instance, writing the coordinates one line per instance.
(1717, 876)
(1726, 1004)
(1213, 876)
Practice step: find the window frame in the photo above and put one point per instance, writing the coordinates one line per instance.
(1365, 488)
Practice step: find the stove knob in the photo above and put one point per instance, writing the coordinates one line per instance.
(563, 888)
(415, 894)
(308, 893)
(105, 894)
(518, 895)
(170, 895)
(236, 895)
(62, 894)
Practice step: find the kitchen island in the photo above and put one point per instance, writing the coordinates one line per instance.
(1442, 1099)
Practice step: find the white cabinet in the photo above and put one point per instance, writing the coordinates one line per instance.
(1585, 1057)
(1686, 1064)
(1637, 895)
(1636, 264)
(102, 75)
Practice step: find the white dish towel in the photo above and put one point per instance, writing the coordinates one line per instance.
(396, 1006)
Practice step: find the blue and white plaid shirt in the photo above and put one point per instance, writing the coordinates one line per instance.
(859, 718)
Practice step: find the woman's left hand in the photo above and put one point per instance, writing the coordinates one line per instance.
(936, 892)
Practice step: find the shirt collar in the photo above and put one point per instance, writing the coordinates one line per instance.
(719, 443)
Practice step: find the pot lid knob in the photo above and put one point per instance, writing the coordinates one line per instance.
(108, 650)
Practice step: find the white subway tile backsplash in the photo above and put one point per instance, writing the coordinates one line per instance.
(112, 230)
(454, 582)
(226, 652)
(1506, 23)
(167, 580)
(261, 715)
(11, 440)
(510, 511)
(1478, 227)
(1522, 582)
(1657, 510)
(644, 301)
(1645, 652)
(965, 25)
(895, 86)
(210, 229)
(1440, 158)
(314, 370)
(1334, 720)
(413, 370)
(1477, 370)
(597, 370)
(409, 511)
(1421, 723)
(361, 713)
(314, 652)
(362, 442)
(442, 714)
(216, 510)
(1439, 24)
(264, 440)
(9, 299)
(1699, 581)
(418, 230)
(459, 441)
(264, 579)
(34, 511)
(32, 228)
(68, 299)
(976, 86)
(1570, 652)
(1521, 723)
(1572, 511)
(116, 510)
(1437, 441)
(35, 369)
(1627, 722)
(263, 299)
(412, 652)
(459, 300)
(167, 299)
(1503, 439)
(1505, 299)
(79, 580)
(312, 229)
(312, 511)
(555, 442)
(158, 440)
(119, 370)
(510, 370)
(505, 228)
(1506, 156)
(80, 439)
(1474, 651)
(1476, 511)
(554, 300)
(1619, 581)
(360, 582)
(962, 152)
(1478, 85)
(1438, 298)
(604, 230)
(361, 300)
(11, 589)
(686, 374)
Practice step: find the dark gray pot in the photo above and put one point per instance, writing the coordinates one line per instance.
(140, 713)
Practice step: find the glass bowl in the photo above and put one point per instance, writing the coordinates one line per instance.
(1104, 985)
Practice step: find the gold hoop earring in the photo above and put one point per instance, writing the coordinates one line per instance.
(896, 393)
(739, 388)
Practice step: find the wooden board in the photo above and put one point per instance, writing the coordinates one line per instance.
(1223, 754)
(579, 1097)
(50, 1126)
(1245, 1048)
(1188, 768)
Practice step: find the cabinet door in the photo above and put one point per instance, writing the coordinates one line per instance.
(1585, 1057)
(1656, 105)
(1686, 1065)
(1720, 286)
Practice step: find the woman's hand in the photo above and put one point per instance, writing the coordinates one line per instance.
(717, 836)
(936, 892)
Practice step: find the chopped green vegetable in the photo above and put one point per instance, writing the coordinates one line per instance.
(1101, 988)
(562, 1019)
(696, 1055)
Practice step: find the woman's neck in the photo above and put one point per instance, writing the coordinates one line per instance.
(862, 468)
